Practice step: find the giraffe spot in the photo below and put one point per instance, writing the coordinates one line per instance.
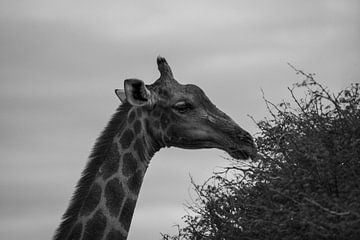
(114, 195)
(147, 125)
(139, 112)
(95, 227)
(173, 117)
(92, 200)
(167, 139)
(156, 113)
(135, 181)
(171, 133)
(131, 117)
(127, 213)
(129, 164)
(115, 235)
(126, 138)
(137, 127)
(164, 93)
(111, 164)
(139, 148)
(156, 124)
(76, 232)
(164, 120)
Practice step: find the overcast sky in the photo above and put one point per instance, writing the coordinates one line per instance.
(60, 62)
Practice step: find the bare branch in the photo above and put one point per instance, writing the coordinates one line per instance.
(326, 209)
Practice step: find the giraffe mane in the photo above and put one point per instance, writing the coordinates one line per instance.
(96, 158)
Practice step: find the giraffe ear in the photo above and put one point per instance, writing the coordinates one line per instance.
(120, 93)
(136, 92)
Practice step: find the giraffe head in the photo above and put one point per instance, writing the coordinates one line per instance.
(183, 116)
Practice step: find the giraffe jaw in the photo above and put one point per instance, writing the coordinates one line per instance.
(238, 153)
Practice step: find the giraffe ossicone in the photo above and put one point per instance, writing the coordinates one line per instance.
(163, 114)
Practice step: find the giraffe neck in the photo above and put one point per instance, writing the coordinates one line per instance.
(106, 209)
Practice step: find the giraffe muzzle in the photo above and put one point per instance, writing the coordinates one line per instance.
(241, 147)
(237, 142)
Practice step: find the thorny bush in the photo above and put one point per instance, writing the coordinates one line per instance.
(305, 183)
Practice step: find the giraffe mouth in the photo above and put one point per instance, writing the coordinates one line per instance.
(245, 153)
(239, 153)
(197, 144)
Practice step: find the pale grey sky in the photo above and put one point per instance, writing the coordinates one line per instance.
(61, 60)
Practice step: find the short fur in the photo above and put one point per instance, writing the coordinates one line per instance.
(100, 150)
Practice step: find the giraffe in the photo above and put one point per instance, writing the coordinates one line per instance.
(163, 114)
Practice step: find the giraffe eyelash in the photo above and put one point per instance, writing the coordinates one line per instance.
(183, 106)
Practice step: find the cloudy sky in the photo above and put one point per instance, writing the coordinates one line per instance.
(61, 60)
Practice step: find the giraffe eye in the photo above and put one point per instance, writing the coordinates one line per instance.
(183, 107)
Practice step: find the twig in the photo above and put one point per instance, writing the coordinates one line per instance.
(267, 104)
(296, 101)
(326, 209)
(284, 195)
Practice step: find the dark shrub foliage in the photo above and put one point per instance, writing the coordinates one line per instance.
(305, 183)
